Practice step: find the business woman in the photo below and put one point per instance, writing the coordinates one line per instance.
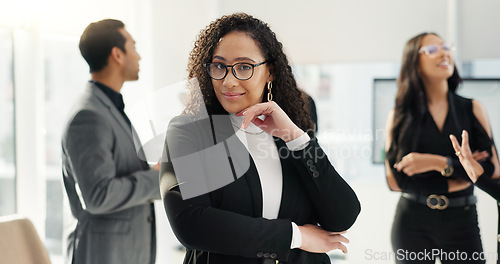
(437, 208)
(242, 181)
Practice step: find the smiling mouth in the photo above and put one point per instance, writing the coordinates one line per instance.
(444, 64)
(232, 96)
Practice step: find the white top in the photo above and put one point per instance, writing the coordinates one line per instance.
(265, 155)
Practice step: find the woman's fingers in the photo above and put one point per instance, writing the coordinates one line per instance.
(338, 233)
(404, 166)
(455, 144)
(340, 246)
(400, 165)
(248, 115)
(257, 121)
(336, 242)
(463, 151)
(408, 171)
(339, 238)
(317, 240)
(251, 113)
(275, 123)
(404, 163)
(465, 141)
(470, 161)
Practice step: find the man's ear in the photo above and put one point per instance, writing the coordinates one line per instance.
(116, 55)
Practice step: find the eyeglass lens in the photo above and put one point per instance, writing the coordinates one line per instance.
(242, 71)
(431, 49)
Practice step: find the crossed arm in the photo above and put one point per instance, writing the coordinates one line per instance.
(400, 174)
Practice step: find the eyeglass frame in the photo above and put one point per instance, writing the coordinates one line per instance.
(207, 67)
(425, 50)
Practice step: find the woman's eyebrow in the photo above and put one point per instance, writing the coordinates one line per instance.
(219, 58)
(237, 59)
(243, 59)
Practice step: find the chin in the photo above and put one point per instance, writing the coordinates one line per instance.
(232, 109)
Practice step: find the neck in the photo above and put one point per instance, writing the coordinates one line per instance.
(436, 91)
(108, 78)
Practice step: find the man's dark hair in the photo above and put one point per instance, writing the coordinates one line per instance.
(97, 41)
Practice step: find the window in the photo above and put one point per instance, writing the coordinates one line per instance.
(7, 133)
(65, 75)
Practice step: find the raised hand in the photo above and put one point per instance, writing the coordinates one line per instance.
(467, 159)
(276, 122)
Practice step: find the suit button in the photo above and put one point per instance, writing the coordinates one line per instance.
(309, 162)
(266, 255)
(316, 174)
(273, 255)
(150, 219)
(312, 168)
(260, 255)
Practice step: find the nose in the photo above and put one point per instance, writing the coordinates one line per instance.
(230, 80)
(445, 53)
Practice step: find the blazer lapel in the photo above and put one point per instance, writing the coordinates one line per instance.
(287, 171)
(97, 93)
(253, 181)
(223, 131)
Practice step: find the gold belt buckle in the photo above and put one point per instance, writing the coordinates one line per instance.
(441, 202)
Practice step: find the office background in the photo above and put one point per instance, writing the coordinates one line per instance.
(337, 48)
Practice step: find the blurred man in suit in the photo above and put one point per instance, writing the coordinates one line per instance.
(110, 190)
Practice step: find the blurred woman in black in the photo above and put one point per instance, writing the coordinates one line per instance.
(437, 208)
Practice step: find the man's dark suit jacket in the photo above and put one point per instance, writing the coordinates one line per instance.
(110, 190)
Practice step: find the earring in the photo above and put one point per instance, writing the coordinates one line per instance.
(269, 94)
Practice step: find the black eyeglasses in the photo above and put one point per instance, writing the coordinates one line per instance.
(241, 70)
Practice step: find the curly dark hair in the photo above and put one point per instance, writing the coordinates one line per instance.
(285, 91)
(411, 102)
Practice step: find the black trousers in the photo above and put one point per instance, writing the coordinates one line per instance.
(422, 235)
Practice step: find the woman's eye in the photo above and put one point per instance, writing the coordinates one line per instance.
(432, 49)
(219, 66)
(244, 67)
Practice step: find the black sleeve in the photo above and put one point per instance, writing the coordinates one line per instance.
(459, 171)
(198, 225)
(335, 202)
(490, 186)
(312, 112)
(480, 141)
(418, 184)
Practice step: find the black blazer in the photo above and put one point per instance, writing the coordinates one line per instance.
(225, 225)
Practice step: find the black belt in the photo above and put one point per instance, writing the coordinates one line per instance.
(441, 202)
